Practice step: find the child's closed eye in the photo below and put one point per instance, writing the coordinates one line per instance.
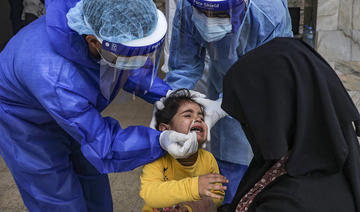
(187, 115)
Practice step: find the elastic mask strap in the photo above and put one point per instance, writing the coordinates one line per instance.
(357, 127)
(104, 60)
(101, 57)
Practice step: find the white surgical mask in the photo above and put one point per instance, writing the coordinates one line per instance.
(130, 63)
(122, 62)
(211, 28)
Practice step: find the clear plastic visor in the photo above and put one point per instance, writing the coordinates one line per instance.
(134, 74)
(215, 14)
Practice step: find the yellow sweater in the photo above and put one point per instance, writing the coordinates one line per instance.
(165, 182)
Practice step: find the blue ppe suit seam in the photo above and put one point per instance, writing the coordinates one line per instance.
(266, 15)
(68, 118)
(83, 140)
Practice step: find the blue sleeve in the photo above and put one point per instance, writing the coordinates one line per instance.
(283, 24)
(186, 58)
(70, 99)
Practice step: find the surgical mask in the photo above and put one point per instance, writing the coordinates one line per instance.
(211, 29)
(130, 63)
(121, 62)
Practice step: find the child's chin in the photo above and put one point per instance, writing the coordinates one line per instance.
(201, 140)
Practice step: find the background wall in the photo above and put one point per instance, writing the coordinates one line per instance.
(338, 30)
(338, 41)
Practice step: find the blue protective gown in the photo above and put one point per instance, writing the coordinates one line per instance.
(53, 138)
(263, 21)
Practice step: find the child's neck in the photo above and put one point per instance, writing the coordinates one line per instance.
(188, 161)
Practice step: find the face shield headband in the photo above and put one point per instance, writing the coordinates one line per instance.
(133, 64)
(235, 9)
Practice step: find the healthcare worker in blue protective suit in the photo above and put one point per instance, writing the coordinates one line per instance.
(226, 29)
(56, 76)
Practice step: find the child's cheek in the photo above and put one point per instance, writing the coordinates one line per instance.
(186, 125)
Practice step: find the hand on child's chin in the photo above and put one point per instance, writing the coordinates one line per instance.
(201, 140)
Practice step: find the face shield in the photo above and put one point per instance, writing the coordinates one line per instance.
(132, 64)
(216, 21)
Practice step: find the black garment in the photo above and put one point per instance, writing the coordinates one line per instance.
(16, 8)
(290, 101)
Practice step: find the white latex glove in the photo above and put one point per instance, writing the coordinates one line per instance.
(159, 105)
(213, 112)
(179, 145)
(194, 94)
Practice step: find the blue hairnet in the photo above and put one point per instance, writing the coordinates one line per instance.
(116, 21)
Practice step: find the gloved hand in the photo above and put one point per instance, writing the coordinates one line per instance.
(179, 145)
(159, 105)
(213, 112)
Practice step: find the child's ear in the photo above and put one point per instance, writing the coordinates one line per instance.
(163, 127)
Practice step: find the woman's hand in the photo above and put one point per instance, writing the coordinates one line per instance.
(211, 182)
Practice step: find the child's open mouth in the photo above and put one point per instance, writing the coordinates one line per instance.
(197, 129)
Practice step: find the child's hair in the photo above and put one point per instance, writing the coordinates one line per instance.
(172, 104)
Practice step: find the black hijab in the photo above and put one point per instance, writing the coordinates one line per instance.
(290, 101)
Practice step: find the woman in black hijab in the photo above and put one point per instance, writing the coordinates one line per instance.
(299, 119)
